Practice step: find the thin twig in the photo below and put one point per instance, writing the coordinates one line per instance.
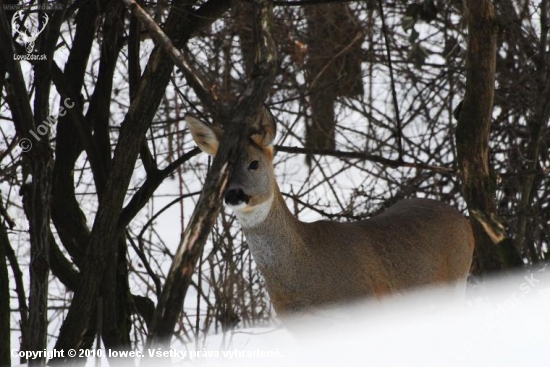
(365, 156)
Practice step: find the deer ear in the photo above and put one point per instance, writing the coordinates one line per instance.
(267, 127)
(205, 135)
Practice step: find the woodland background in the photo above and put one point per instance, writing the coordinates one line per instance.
(376, 101)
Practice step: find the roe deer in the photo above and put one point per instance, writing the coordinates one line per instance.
(413, 243)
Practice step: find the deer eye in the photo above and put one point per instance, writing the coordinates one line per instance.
(254, 165)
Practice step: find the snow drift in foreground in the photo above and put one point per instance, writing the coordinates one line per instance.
(506, 322)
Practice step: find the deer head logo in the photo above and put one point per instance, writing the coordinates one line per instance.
(31, 29)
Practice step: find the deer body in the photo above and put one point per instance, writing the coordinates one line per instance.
(415, 242)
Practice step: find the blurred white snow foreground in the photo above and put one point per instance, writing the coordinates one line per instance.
(505, 322)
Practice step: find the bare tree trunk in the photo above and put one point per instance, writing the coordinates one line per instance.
(333, 67)
(37, 199)
(472, 138)
(21, 298)
(38, 162)
(5, 355)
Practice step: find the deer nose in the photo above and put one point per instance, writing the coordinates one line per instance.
(235, 197)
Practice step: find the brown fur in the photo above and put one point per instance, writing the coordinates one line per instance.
(414, 243)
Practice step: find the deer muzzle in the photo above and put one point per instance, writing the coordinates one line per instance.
(235, 197)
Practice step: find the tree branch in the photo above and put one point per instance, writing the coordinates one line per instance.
(5, 355)
(194, 237)
(21, 297)
(153, 181)
(364, 156)
(198, 81)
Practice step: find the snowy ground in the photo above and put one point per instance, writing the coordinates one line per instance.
(506, 322)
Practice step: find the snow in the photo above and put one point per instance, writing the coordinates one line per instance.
(504, 322)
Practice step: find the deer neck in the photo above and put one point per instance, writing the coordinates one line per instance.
(272, 232)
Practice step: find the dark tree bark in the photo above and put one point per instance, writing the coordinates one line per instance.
(68, 218)
(37, 198)
(21, 297)
(103, 240)
(493, 250)
(115, 293)
(5, 347)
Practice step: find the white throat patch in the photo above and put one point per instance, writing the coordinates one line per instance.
(250, 217)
